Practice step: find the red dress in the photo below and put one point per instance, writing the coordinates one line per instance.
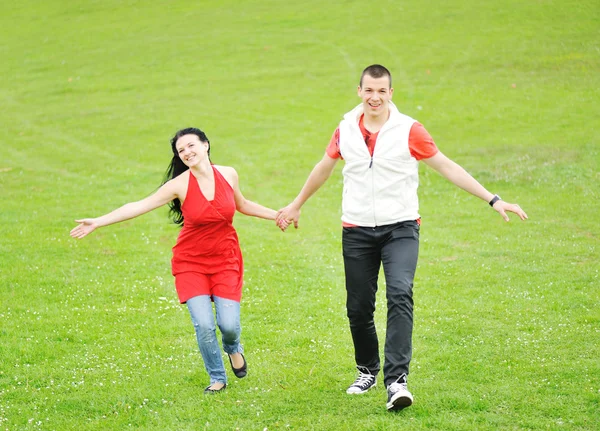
(208, 244)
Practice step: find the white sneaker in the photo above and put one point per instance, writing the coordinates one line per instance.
(363, 382)
(398, 395)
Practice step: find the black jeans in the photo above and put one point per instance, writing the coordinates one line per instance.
(364, 249)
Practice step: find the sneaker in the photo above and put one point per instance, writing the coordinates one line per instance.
(363, 383)
(398, 395)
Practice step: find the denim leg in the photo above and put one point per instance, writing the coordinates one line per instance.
(228, 319)
(362, 261)
(203, 319)
(399, 255)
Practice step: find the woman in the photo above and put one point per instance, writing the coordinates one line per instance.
(207, 260)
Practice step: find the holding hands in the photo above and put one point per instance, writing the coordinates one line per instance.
(287, 215)
(282, 224)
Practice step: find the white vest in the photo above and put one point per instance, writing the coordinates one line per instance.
(382, 189)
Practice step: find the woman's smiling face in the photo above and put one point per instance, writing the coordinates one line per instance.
(191, 149)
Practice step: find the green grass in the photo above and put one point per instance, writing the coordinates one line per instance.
(506, 320)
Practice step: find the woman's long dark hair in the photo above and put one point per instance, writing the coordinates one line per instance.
(177, 167)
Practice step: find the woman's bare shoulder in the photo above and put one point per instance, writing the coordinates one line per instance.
(229, 173)
(179, 184)
(226, 170)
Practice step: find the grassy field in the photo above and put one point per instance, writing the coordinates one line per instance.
(507, 323)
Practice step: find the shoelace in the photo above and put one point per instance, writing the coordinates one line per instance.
(363, 380)
(395, 387)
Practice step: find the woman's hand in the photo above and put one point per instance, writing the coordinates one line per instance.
(86, 226)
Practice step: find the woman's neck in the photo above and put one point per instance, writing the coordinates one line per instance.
(202, 169)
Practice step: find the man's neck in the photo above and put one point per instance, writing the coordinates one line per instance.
(374, 123)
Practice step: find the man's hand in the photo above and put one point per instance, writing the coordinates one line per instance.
(502, 207)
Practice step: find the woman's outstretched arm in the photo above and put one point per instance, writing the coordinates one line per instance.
(166, 193)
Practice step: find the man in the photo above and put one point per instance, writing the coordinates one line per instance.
(381, 148)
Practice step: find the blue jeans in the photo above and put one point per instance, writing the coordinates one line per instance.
(228, 320)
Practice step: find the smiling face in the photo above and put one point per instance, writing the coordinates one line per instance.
(191, 149)
(376, 94)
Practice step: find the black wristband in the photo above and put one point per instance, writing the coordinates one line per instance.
(495, 199)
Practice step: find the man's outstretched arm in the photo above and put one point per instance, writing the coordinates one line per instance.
(461, 178)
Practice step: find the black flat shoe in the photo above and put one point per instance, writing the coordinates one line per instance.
(209, 391)
(242, 371)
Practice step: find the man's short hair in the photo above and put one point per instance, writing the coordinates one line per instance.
(376, 71)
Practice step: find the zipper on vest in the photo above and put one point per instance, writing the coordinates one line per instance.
(373, 194)
(371, 164)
